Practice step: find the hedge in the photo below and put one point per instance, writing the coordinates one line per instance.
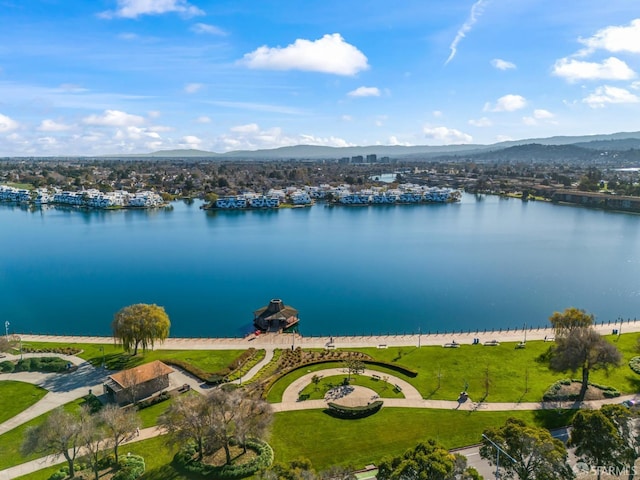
(351, 413)
(41, 364)
(184, 458)
(634, 364)
(552, 393)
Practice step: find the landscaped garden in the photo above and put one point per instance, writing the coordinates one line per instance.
(318, 391)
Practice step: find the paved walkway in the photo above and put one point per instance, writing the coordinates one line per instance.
(287, 340)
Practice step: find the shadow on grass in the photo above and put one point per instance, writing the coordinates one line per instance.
(554, 418)
(165, 472)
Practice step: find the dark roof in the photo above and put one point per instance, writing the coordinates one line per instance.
(276, 310)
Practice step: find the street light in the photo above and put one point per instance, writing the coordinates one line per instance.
(498, 451)
(102, 350)
(6, 329)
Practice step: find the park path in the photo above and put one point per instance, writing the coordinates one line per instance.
(288, 340)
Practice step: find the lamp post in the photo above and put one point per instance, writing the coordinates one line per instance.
(6, 329)
(525, 332)
(102, 350)
(498, 452)
(419, 334)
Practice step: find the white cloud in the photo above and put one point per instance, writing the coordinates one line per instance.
(365, 92)
(154, 114)
(329, 54)
(476, 11)
(249, 128)
(436, 113)
(481, 122)
(135, 8)
(507, 103)
(7, 124)
(607, 94)
(542, 114)
(529, 121)
(208, 29)
(503, 138)
(502, 64)
(203, 119)
(49, 125)
(193, 87)
(610, 69)
(615, 39)
(114, 118)
(393, 140)
(444, 135)
(191, 141)
(346, 118)
(134, 133)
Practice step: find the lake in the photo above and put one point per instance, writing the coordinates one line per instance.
(486, 262)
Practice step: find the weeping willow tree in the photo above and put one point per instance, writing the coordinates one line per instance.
(140, 325)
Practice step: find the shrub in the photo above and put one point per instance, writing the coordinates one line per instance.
(161, 397)
(634, 364)
(553, 392)
(41, 364)
(7, 366)
(264, 459)
(131, 467)
(350, 413)
(59, 475)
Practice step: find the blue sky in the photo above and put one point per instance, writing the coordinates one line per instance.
(90, 77)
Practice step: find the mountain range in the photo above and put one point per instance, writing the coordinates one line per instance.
(586, 145)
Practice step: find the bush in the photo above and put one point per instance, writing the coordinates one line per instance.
(553, 392)
(351, 413)
(41, 364)
(634, 364)
(161, 397)
(7, 366)
(263, 460)
(58, 350)
(59, 475)
(131, 467)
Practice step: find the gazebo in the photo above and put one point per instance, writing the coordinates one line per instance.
(275, 317)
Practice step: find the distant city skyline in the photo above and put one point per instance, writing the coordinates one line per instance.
(135, 76)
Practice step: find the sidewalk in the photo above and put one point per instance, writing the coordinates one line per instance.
(287, 340)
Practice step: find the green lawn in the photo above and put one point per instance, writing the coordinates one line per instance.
(328, 441)
(18, 396)
(116, 359)
(11, 441)
(157, 457)
(383, 389)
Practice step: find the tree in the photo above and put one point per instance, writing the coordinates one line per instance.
(537, 455)
(427, 460)
(140, 324)
(596, 440)
(625, 422)
(215, 420)
(93, 440)
(119, 424)
(59, 434)
(353, 366)
(579, 346)
(572, 318)
(316, 381)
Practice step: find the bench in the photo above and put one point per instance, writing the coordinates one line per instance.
(451, 345)
(492, 343)
(398, 388)
(382, 345)
(375, 377)
(521, 345)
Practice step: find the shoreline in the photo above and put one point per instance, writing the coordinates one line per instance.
(289, 340)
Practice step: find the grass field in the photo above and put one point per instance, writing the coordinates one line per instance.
(383, 389)
(11, 441)
(328, 441)
(117, 359)
(18, 396)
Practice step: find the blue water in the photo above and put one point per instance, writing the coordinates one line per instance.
(483, 263)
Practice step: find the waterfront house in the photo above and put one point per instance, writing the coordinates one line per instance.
(129, 386)
(275, 317)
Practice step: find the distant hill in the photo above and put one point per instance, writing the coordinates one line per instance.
(584, 146)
